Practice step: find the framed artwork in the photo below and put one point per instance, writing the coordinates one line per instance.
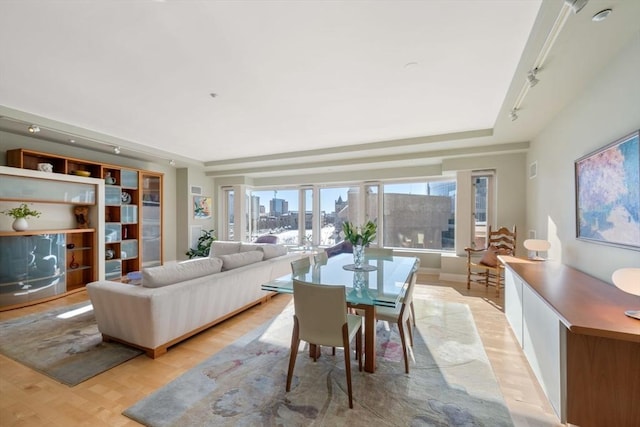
(201, 207)
(608, 194)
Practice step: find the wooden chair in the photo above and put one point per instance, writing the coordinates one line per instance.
(321, 318)
(488, 270)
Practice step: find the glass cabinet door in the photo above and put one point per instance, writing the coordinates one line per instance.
(151, 220)
(32, 267)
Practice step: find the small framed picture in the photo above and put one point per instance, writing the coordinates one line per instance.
(201, 207)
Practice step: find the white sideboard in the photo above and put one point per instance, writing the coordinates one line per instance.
(583, 350)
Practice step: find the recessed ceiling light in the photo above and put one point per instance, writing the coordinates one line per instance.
(33, 129)
(72, 141)
(116, 150)
(602, 15)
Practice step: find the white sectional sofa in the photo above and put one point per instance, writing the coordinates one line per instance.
(178, 300)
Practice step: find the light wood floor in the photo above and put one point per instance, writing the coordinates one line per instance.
(28, 398)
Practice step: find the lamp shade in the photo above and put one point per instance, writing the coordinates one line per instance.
(627, 279)
(537, 245)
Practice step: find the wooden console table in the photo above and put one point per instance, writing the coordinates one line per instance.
(582, 348)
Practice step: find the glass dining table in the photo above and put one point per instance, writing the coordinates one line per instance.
(381, 282)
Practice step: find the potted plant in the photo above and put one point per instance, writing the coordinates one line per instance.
(204, 245)
(359, 238)
(20, 215)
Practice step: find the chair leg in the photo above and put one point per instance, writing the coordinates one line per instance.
(359, 349)
(347, 361)
(410, 331)
(404, 346)
(295, 343)
(413, 314)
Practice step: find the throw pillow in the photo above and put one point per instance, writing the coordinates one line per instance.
(272, 251)
(490, 257)
(163, 275)
(267, 238)
(231, 261)
(224, 248)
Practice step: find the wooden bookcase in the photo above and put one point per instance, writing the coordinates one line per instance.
(133, 208)
(53, 256)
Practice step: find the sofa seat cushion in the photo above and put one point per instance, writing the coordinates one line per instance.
(168, 274)
(231, 261)
(224, 248)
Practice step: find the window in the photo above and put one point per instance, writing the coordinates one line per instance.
(420, 215)
(275, 212)
(482, 195)
(337, 205)
(417, 214)
(228, 212)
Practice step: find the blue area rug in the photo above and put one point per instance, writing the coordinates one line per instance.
(450, 383)
(63, 343)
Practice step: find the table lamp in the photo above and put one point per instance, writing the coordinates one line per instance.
(537, 245)
(628, 280)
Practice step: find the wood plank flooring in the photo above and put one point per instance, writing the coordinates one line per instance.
(28, 398)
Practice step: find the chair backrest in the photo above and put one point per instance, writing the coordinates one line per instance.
(503, 239)
(321, 258)
(378, 252)
(321, 311)
(300, 265)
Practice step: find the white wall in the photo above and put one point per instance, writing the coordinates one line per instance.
(609, 108)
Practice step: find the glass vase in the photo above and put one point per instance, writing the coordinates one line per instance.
(358, 256)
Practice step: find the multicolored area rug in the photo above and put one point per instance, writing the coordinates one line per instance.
(63, 343)
(450, 383)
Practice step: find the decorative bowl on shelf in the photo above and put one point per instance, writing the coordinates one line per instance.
(82, 173)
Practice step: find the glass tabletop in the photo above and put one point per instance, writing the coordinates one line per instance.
(382, 282)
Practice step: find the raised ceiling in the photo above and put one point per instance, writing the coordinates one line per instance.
(308, 84)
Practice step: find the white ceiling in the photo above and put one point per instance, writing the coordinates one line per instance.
(322, 80)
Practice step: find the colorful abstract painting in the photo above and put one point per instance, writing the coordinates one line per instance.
(201, 207)
(608, 194)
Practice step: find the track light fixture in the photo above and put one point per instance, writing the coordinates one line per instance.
(172, 162)
(33, 129)
(531, 80)
(531, 77)
(116, 150)
(576, 5)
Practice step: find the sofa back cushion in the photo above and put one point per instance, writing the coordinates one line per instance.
(246, 247)
(272, 251)
(231, 261)
(168, 274)
(224, 248)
